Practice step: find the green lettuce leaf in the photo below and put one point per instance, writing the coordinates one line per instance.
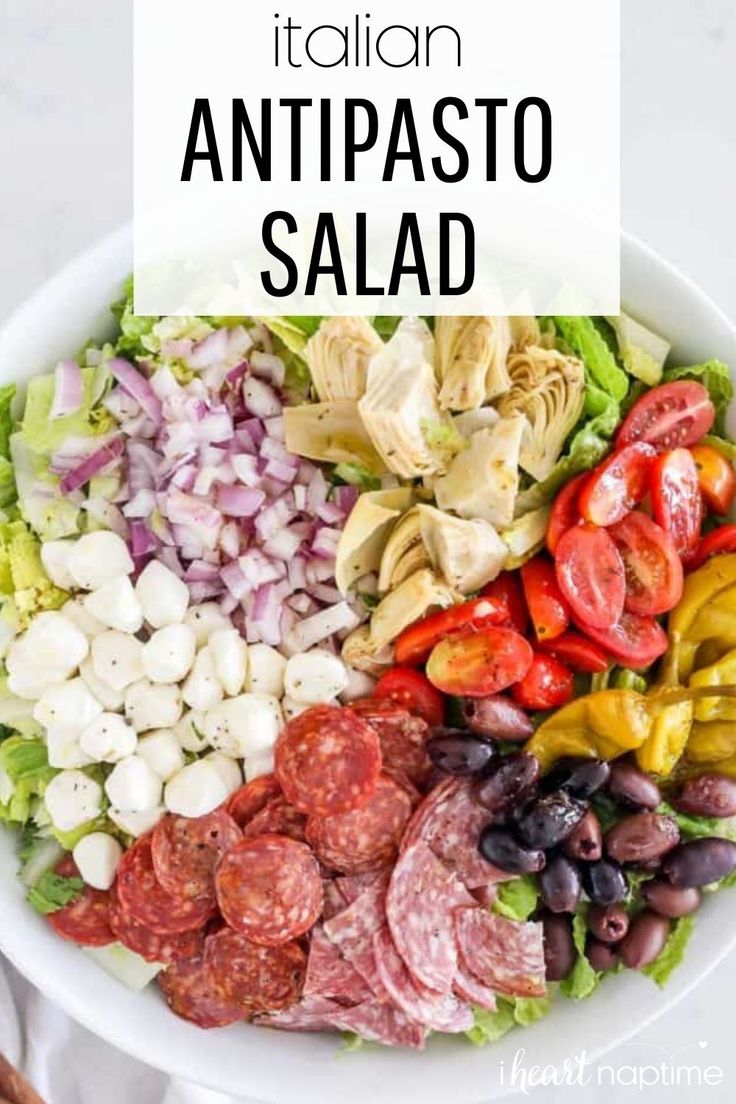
(52, 892)
(7, 394)
(696, 827)
(357, 476)
(43, 434)
(585, 340)
(582, 979)
(510, 1012)
(25, 764)
(673, 951)
(22, 574)
(517, 899)
(715, 375)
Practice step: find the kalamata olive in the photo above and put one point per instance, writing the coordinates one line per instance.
(668, 900)
(709, 795)
(601, 956)
(458, 752)
(700, 862)
(609, 923)
(499, 847)
(604, 882)
(550, 820)
(641, 837)
(632, 787)
(585, 842)
(579, 777)
(644, 940)
(498, 718)
(560, 884)
(559, 949)
(511, 782)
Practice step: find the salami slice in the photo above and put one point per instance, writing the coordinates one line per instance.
(141, 893)
(185, 851)
(269, 889)
(334, 901)
(278, 817)
(379, 1022)
(469, 988)
(353, 885)
(311, 1014)
(252, 797)
(191, 993)
(506, 955)
(403, 737)
(150, 944)
(422, 896)
(352, 932)
(440, 1012)
(364, 839)
(328, 761)
(330, 975)
(258, 979)
(86, 919)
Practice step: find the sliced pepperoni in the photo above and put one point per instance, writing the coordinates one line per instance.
(403, 737)
(331, 975)
(327, 760)
(380, 1022)
(352, 932)
(192, 993)
(279, 818)
(505, 955)
(269, 889)
(440, 1012)
(185, 851)
(141, 893)
(150, 944)
(252, 797)
(86, 919)
(363, 839)
(257, 978)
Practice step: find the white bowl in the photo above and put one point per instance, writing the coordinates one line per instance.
(283, 1067)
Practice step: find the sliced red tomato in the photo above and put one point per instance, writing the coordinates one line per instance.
(591, 575)
(475, 665)
(676, 501)
(717, 543)
(717, 478)
(415, 643)
(506, 589)
(633, 641)
(653, 568)
(565, 512)
(547, 607)
(412, 691)
(617, 485)
(548, 684)
(673, 415)
(577, 652)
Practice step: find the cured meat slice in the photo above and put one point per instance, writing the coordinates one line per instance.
(141, 893)
(364, 839)
(379, 1022)
(327, 760)
(440, 1012)
(256, 978)
(277, 817)
(334, 901)
(422, 896)
(353, 885)
(311, 1014)
(472, 990)
(269, 888)
(352, 931)
(185, 851)
(150, 944)
(330, 975)
(252, 797)
(506, 955)
(192, 993)
(86, 919)
(403, 737)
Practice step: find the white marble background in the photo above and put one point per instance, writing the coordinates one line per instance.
(65, 180)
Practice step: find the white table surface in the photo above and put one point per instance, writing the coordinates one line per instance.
(65, 180)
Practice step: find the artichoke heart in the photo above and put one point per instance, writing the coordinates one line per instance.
(338, 356)
(361, 652)
(549, 389)
(410, 600)
(470, 421)
(468, 554)
(525, 537)
(471, 360)
(366, 532)
(525, 331)
(333, 432)
(404, 552)
(483, 480)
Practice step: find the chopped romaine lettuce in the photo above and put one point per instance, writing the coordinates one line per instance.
(582, 979)
(510, 1012)
(357, 476)
(37, 855)
(41, 504)
(673, 951)
(642, 351)
(585, 340)
(25, 764)
(124, 965)
(696, 827)
(7, 394)
(22, 575)
(517, 899)
(53, 891)
(43, 434)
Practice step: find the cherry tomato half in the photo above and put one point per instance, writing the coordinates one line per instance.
(676, 501)
(548, 684)
(548, 609)
(591, 575)
(565, 512)
(672, 415)
(412, 691)
(633, 641)
(577, 652)
(717, 478)
(653, 568)
(506, 589)
(416, 642)
(617, 485)
(475, 665)
(717, 543)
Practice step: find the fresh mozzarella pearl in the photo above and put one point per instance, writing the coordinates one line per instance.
(30, 683)
(71, 799)
(244, 725)
(190, 731)
(55, 560)
(229, 770)
(64, 748)
(48, 652)
(133, 785)
(205, 620)
(360, 685)
(75, 612)
(162, 751)
(230, 656)
(266, 668)
(97, 856)
(116, 604)
(108, 738)
(69, 704)
(150, 706)
(136, 824)
(195, 790)
(256, 765)
(108, 697)
(202, 689)
(97, 558)
(117, 658)
(163, 596)
(316, 676)
(169, 654)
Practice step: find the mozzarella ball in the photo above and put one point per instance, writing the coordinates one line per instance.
(203, 689)
(108, 738)
(97, 558)
(97, 856)
(74, 611)
(115, 604)
(48, 652)
(169, 654)
(70, 704)
(55, 560)
(256, 765)
(150, 706)
(190, 731)
(133, 785)
(229, 770)
(359, 685)
(71, 799)
(316, 676)
(163, 596)
(117, 658)
(64, 748)
(206, 619)
(195, 790)
(108, 697)
(230, 656)
(30, 683)
(162, 751)
(244, 725)
(136, 824)
(266, 669)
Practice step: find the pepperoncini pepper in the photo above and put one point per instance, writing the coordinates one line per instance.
(711, 743)
(602, 725)
(671, 726)
(707, 610)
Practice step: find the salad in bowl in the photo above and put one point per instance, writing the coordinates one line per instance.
(370, 675)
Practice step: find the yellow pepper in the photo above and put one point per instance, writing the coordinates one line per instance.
(671, 725)
(600, 725)
(711, 742)
(721, 673)
(703, 613)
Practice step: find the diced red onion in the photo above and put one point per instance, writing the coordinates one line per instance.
(325, 543)
(143, 466)
(141, 505)
(142, 540)
(134, 383)
(259, 569)
(284, 544)
(276, 428)
(297, 568)
(210, 351)
(238, 501)
(68, 389)
(203, 520)
(164, 384)
(246, 469)
(234, 579)
(345, 497)
(260, 398)
(229, 605)
(317, 628)
(230, 540)
(107, 514)
(97, 462)
(177, 349)
(268, 367)
(330, 513)
(317, 489)
(202, 592)
(266, 614)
